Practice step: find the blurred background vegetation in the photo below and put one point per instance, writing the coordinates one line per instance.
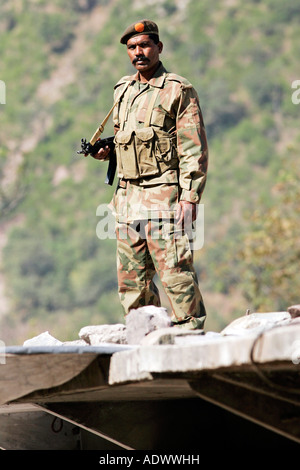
(60, 61)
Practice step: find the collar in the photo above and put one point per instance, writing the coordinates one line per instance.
(158, 79)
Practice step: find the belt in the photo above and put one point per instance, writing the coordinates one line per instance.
(124, 182)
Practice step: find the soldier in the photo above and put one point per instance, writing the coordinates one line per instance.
(162, 155)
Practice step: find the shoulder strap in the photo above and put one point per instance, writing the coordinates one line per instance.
(150, 107)
(100, 129)
(122, 115)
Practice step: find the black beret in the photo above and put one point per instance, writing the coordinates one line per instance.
(136, 29)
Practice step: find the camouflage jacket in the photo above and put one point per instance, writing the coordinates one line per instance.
(176, 111)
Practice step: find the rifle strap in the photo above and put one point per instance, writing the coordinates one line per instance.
(100, 129)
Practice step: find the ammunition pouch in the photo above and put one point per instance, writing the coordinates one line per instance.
(144, 152)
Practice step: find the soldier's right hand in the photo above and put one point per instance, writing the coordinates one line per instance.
(102, 154)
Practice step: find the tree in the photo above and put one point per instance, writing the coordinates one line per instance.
(271, 251)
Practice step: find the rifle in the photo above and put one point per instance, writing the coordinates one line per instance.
(93, 146)
(87, 148)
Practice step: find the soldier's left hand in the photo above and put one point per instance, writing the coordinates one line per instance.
(186, 213)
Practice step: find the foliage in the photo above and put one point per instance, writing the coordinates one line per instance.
(271, 252)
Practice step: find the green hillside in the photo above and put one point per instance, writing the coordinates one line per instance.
(60, 61)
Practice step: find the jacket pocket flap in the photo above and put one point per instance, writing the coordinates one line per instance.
(163, 146)
(123, 137)
(145, 134)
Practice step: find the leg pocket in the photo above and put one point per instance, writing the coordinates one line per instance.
(183, 250)
(177, 246)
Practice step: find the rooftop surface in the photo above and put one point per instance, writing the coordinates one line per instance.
(249, 371)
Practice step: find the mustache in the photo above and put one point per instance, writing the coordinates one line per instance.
(140, 57)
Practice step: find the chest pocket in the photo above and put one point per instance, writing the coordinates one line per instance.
(135, 152)
(126, 156)
(145, 141)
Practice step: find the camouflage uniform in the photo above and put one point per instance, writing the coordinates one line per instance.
(161, 158)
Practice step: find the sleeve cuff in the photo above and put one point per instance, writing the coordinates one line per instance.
(190, 196)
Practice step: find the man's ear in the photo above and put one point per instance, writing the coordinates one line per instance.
(160, 46)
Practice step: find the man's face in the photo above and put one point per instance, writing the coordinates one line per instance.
(143, 53)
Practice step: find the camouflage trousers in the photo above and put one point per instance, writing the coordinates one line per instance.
(150, 247)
